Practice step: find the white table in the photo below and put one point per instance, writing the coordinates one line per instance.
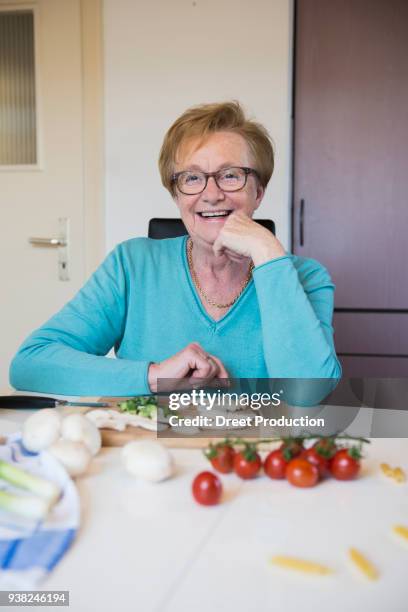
(151, 547)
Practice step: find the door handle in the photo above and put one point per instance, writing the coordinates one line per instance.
(61, 243)
(301, 222)
(47, 242)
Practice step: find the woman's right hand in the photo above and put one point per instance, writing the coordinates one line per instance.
(191, 362)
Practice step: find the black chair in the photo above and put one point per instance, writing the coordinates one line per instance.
(171, 228)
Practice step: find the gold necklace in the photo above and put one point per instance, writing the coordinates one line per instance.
(201, 290)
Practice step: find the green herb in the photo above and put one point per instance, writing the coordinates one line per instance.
(144, 405)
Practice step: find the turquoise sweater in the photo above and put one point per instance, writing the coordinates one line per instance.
(142, 302)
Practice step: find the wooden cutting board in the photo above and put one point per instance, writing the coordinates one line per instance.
(111, 437)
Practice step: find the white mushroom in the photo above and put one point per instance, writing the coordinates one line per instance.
(77, 428)
(148, 460)
(112, 419)
(135, 420)
(107, 419)
(41, 429)
(74, 456)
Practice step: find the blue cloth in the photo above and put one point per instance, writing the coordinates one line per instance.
(143, 302)
(29, 550)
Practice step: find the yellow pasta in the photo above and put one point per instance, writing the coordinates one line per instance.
(363, 564)
(401, 531)
(386, 469)
(396, 473)
(399, 475)
(300, 565)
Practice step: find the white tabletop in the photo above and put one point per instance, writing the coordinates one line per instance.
(151, 547)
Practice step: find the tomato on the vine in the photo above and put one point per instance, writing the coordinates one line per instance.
(247, 462)
(345, 465)
(221, 456)
(291, 447)
(326, 447)
(301, 473)
(313, 456)
(207, 489)
(275, 464)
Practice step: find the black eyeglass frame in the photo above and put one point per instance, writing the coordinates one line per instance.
(247, 171)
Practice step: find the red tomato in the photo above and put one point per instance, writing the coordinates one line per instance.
(207, 489)
(222, 458)
(326, 447)
(247, 464)
(275, 464)
(301, 473)
(343, 465)
(291, 447)
(314, 457)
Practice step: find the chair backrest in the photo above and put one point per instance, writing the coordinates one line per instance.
(171, 228)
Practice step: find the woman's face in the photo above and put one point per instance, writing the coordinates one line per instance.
(220, 150)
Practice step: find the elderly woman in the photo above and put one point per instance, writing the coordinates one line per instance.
(226, 300)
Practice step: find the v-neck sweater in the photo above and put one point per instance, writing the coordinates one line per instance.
(143, 302)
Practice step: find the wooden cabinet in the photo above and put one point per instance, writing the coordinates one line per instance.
(350, 194)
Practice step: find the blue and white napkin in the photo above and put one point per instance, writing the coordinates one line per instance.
(29, 550)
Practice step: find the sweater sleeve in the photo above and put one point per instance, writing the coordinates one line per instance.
(301, 300)
(67, 355)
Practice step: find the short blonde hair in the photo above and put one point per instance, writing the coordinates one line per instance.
(200, 122)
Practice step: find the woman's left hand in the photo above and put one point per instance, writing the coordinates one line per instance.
(241, 236)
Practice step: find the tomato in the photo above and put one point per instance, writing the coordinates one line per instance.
(313, 456)
(247, 464)
(222, 457)
(345, 465)
(301, 473)
(326, 447)
(275, 464)
(207, 489)
(291, 447)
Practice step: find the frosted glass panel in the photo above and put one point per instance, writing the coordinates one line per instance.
(17, 89)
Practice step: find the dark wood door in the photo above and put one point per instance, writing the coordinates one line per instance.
(350, 207)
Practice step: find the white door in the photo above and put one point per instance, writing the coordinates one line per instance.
(34, 197)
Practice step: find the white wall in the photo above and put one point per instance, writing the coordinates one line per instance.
(164, 56)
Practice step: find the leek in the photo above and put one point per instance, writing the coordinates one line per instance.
(28, 506)
(14, 475)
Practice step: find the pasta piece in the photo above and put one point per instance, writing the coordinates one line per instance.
(399, 475)
(401, 531)
(396, 473)
(386, 469)
(363, 564)
(300, 565)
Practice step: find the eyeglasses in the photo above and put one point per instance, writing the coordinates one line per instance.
(227, 179)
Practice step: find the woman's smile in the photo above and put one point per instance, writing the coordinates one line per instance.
(214, 215)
